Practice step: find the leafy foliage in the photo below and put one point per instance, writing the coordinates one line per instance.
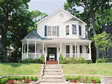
(104, 42)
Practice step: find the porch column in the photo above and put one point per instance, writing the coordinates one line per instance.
(22, 50)
(27, 47)
(60, 51)
(75, 50)
(78, 51)
(71, 50)
(44, 53)
(35, 49)
(89, 50)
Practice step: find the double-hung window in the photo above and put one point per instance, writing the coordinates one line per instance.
(67, 30)
(74, 29)
(51, 30)
(80, 31)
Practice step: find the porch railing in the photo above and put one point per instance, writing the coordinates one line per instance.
(75, 55)
(31, 55)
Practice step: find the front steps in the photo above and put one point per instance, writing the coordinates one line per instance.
(52, 75)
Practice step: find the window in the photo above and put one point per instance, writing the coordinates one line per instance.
(51, 30)
(80, 31)
(54, 31)
(67, 49)
(67, 30)
(74, 30)
(80, 48)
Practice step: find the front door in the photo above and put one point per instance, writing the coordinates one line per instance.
(51, 54)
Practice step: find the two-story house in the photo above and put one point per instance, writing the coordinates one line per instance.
(58, 33)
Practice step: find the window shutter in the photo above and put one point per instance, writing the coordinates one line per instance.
(57, 30)
(45, 31)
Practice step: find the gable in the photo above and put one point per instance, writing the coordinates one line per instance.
(61, 14)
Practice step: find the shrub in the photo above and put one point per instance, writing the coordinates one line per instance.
(22, 77)
(95, 79)
(89, 61)
(31, 60)
(67, 78)
(77, 78)
(62, 60)
(35, 78)
(31, 78)
(42, 58)
(4, 80)
(100, 60)
(27, 77)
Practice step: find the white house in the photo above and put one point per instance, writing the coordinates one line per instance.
(58, 33)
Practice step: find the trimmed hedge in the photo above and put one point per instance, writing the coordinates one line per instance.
(31, 78)
(73, 60)
(84, 79)
(31, 60)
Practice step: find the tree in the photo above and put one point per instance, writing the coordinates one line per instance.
(7, 8)
(104, 42)
(22, 20)
(91, 7)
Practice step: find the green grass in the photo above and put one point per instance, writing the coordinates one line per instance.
(19, 69)
(104, 69)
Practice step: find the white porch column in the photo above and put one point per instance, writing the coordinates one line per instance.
(89, 50)
(71, 50)
(78, 50)
(44, 52)
(22, 50)
(60, 52)
(35, 49)
(75, 50)
(27, 47)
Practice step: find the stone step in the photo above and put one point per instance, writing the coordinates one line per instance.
(53, 83)
(52, 70)
(52, 67)
(52, 77)
(52, 80)
(52, 73)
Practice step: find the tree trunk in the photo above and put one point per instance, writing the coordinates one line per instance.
(94, 32)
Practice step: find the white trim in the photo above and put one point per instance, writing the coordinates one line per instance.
(59, 11)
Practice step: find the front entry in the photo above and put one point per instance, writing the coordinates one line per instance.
(52, 54)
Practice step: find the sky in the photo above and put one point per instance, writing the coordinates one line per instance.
(46, 6)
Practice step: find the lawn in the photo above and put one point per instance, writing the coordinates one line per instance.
(104, 69)
(19, 69)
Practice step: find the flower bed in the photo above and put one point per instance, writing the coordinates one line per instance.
(83, 79)
(18, 79)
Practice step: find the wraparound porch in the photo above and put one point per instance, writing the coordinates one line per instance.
(76, 49)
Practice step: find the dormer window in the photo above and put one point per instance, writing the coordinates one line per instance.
(67, 30)
(74, 30)
(51, 30)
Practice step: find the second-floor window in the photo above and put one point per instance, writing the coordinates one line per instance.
(80, 31)
(67, 30)
(74, 30)
(51, 30)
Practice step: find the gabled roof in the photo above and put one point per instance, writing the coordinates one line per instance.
(55, 12)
